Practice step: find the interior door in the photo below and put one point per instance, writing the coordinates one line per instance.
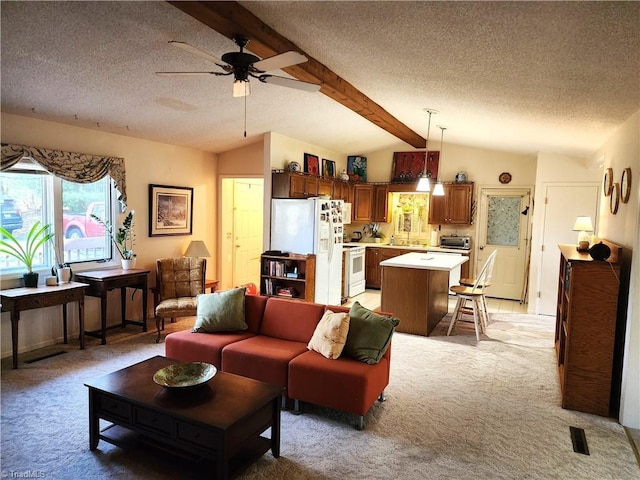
(563, 204)
(248, 220)
(504, 226)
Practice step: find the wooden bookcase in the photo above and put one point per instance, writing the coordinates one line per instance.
(586, 329)
(295, 272)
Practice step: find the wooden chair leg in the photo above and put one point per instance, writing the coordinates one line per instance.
(476, 308)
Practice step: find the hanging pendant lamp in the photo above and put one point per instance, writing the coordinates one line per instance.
(423, 183)
(438, 190)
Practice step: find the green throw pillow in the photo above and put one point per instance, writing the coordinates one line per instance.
(369, 334)
(221, 311)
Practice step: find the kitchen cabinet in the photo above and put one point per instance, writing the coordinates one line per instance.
(454, 208)
(325, 187)
(380, 203)
(362, 207)
(586, 329)
(372, 267)
(341, 190)
(293, 185)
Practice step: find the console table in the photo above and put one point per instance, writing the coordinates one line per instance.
(15, 300)
(102, 281)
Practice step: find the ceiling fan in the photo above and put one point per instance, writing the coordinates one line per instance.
(244, 65)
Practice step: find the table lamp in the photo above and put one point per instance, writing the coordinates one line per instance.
(197, 248)
(583, 225)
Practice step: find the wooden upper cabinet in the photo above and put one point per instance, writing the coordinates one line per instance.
(325, 187)
(380, 203)
(454, 207)
(341, 190)
(362, 208)
(293, 185)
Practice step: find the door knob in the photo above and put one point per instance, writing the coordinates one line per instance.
(481, 247)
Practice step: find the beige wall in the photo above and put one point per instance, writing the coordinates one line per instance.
(146, 163)
(622, 150)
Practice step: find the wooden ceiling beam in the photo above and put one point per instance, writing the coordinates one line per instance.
(231, 19)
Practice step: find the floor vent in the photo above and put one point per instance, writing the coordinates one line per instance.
(579, 440)
(37, 359)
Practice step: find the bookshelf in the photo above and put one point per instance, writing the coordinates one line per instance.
(291, 276)
(586, 329)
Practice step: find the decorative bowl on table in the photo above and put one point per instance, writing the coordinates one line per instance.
(185, 375)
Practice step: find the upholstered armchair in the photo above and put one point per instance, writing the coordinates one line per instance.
(178, 283)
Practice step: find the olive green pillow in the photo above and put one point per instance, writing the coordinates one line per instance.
(369, 334)
(220, 311)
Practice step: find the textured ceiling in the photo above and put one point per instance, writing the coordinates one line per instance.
(518, 76)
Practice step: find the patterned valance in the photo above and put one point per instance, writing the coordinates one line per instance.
(74, 167)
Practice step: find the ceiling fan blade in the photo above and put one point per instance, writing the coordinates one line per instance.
(196, 51)
(189, 74)
(289, 82)
(282, 60)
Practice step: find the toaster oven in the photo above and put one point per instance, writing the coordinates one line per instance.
(455, 242)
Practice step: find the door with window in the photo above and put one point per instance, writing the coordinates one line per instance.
(504, 220)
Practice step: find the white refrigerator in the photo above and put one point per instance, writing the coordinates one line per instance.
(312, 225)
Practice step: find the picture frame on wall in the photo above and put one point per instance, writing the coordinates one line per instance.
(357, 168)
(170, 210)
(328, 168)
(311, 164)
(409, 166)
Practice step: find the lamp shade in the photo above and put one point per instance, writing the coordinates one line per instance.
(423, 185)
(438, 190)
(583, 224)
(197, 248)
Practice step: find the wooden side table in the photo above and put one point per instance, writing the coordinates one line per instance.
(101, 281)
(211, 284)
(15, 300)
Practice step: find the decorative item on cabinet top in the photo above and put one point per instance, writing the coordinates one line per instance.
(294, 167)
(328, 168)
(357, 168)
(409, 166)
(311, 164)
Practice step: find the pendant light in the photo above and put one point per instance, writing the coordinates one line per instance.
(438, 190)
(423, 183)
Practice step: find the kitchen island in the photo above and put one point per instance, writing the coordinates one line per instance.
(415, 287)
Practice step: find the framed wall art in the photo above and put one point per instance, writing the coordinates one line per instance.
(311, 164)
(625, 185)
(409, 166)
(328, 168)
(357, 168)
(170, 210)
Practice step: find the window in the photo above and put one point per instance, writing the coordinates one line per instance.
(28, 194)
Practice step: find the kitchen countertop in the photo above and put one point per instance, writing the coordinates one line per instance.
(424, 261)
(421, 248)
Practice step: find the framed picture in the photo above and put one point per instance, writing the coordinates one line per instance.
(170, 210)
(311, 164)
(357, 168)
(409, 166)
(328, 168)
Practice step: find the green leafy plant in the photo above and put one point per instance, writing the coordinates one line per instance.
(36, 237)
(124, 237)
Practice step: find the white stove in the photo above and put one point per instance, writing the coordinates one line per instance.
(354, 282)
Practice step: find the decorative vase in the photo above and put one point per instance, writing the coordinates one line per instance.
(344, 176)
(64, 275)
(30, 279)
(128, 264)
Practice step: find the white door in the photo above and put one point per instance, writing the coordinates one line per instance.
(504, 219)
(247, 215)
(563, 204)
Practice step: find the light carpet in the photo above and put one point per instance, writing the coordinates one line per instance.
(455, 409)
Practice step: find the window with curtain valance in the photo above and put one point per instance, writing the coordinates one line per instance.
(71, 166)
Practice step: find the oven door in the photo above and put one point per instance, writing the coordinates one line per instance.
(355, 271)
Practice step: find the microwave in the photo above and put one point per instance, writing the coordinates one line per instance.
(455, 242)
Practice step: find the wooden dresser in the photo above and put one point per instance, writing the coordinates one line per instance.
(586, 328)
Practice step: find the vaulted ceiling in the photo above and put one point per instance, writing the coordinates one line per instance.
(519, 76)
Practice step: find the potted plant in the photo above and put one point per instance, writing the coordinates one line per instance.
(26, 253)
(123, 238)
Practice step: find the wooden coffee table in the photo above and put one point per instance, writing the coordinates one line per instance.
(222, 420)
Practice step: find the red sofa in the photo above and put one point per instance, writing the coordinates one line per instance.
(274, 349)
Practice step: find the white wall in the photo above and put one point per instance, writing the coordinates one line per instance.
(146, 163)
(622, 150)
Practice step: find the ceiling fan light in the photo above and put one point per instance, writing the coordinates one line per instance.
(241, 88)
(438, 190)
(423, 185)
